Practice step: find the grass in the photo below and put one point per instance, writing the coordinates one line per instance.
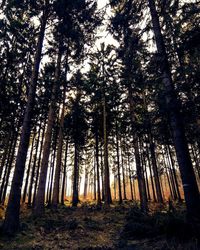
(119, 227)
(159, 230)
(68, 228)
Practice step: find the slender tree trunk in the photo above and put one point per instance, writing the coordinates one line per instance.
(102, 177)
(196, 161)
(123, 174)
(155, 168)
(8, 159)
(40, 197)
(85, 184)
(190, 187)
(130, 179)
(50, 179)
(174, 173)
(134, 190)
(9, 169)
(56, 187)
(39, 161)
(52, 167)
(63, 193)
(151, 174)
(75, 198)
(146, 177)
(97, 164)
(11, 222)
(5, 153)
(172, 177)
(118, 166)
(28, 170)
(142, 171)
(107, 194)
(115, 191)
(140, 176)
(108, 199)
(33, 169)
(168, 178)
(10, 163)
(161, 186)
(55, 199)
(94, 179)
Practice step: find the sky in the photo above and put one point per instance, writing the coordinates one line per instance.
(106, 37)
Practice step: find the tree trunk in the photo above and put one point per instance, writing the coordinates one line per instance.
(108, 199)
(55, 199)
(123, 174)
(155, 168)
(9, 162)
(7, 165)
(186, 169)
(118, 166)
(33, 169)
(167, 174)
(85, 184)
(196, 161)
(11, 222)
(174, 173)
(39, 161)
(94, 179)
(130, 177)
(9, 169)
(64, 175)
(52, 167)
(140, 176)
(40, 197)
(5, 154)
(102, 177)
(97, 164)
(75, 198)
(146, 176)
(29, 169)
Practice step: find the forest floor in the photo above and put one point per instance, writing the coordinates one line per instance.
(117, 227)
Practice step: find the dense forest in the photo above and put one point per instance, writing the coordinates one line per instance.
(99, 124)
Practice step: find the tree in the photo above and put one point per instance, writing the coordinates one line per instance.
(11, 222)
(187, 174)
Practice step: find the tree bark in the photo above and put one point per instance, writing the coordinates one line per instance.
(108, 199)
(56, 187)
(155, 168)
(176, 122)
(123, 174)
(85, 184)
(5, 154)
(140, 176)
(174, 173)
(33, 169)
(7, 164)
(11, 222)
(8, 168)
(75, 198)
(97, 165)
(40, 197)
(118, 166)
(151, 176)
(39, 161)
(29, 169)
(64, 175)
